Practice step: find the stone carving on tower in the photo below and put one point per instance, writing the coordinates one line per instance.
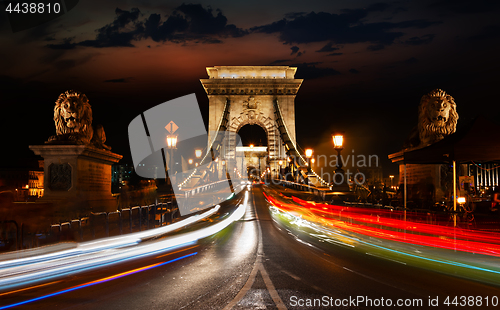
(250, 109)
(73, 122)
(437, 118)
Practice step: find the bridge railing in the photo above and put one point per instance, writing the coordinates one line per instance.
(321, 193)
(14, 236)
(205, 188)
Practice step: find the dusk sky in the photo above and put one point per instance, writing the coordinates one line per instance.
(365, 64)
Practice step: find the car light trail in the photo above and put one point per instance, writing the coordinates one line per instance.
(41, 271)
(454, 256)
(29, 288)
(451, 242)
(103, 280)
(352, 212)
(110, 243)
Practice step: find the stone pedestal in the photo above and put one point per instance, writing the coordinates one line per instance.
(429, 181)
(77, 178)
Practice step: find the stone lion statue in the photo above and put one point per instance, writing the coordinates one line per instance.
(437, 118)
(73, 121)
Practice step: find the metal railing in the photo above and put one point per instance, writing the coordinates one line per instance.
(302, 187)
(96, 225)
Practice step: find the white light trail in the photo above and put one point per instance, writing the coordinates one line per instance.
(96, 254)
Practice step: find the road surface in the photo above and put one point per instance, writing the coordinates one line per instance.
(256, 263)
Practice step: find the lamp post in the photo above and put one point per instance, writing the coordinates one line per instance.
(171, 145)
(391, 177)
(280, 162)
(197, 153)
(309, 153)
(171, 142)
(338, 145)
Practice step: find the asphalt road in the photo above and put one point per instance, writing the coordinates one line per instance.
(255, 263)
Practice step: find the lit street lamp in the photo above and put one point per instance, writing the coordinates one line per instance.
(391, 177)
(197, 153)
(338, 145)
(309, 153)
(172, 142)
(171, 145)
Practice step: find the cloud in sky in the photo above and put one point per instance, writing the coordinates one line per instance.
(344, 28)
(487, 32)
(188, 22)
(196, 23)
(327, 48)
(465, 6)
(425, 39)
(411, 60)
(311, 71)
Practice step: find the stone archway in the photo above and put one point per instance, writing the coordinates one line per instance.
(256, 156)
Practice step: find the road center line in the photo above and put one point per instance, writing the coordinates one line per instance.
(258, 266)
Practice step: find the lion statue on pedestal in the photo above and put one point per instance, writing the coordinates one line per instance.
(437, 118)
(73, 121)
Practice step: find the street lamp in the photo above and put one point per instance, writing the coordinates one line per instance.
(280, 162)
(309, 153)
(172, 142)
(391, 177)
(338, 145)
(197, 153)
(171, 145)
(190, 161)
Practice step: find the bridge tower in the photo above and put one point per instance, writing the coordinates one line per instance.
(255, 95)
